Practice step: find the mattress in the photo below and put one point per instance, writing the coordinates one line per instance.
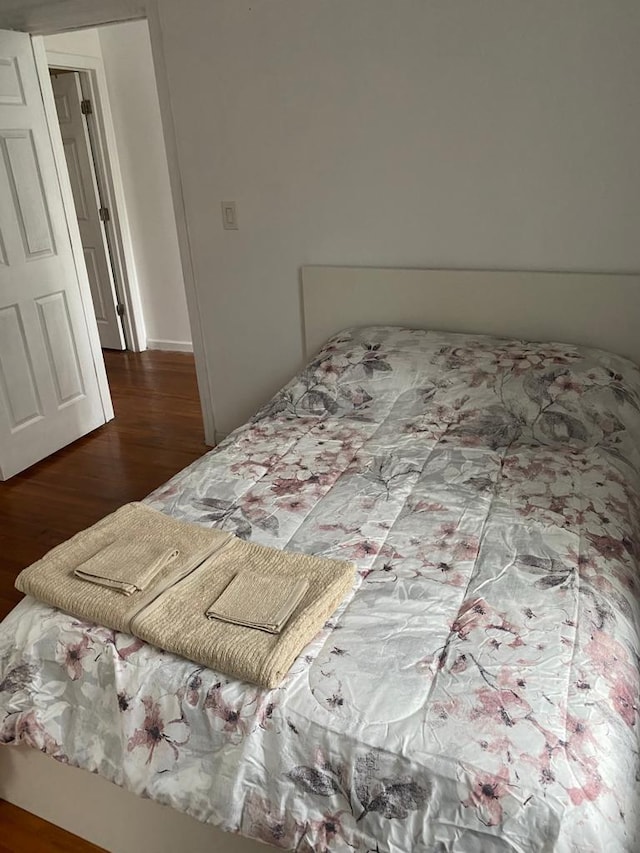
(477, 691)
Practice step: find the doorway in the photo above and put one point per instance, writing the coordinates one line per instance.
(67, 19)
(53, 384)
(131, 250)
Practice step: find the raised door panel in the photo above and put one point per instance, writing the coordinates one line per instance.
(17, 380)
(62, 108)
(55, 322)
(75, 176)
(94, 282)
(11, 245)
(11, 91)
(27, 193)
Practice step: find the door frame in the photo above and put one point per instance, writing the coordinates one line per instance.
(49, 19)
(64, 182)
(93, 83)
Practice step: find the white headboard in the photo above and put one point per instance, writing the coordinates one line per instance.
(600, 310)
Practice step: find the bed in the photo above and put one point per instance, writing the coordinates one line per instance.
(477, 691)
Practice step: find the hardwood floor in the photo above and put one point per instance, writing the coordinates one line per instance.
(156, 432)
(21, 832)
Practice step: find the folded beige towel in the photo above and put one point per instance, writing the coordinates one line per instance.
(129, 564)
(171, 612)
(258, 601)
(177, 620)
(52, 579)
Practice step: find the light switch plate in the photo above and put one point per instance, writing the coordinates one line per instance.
(229, 216)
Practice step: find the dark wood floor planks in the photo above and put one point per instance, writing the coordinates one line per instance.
(157, 431)
(21, 832)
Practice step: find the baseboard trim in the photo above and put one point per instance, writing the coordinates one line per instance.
(170, 346)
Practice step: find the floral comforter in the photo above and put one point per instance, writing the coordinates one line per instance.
(480, 689)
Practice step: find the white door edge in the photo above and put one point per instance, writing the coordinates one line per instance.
(46, 91)
(110, 178)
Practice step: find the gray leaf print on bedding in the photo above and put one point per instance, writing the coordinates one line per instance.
(314, 781)
(559, 426)
(395, 798)
(17, 678)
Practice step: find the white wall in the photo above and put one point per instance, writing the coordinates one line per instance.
(126, 53)
(128, 64)
(372, 132)
(82, 42)
(485, 134)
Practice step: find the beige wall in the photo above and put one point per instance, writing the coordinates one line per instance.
(126, 53)
(470, 134)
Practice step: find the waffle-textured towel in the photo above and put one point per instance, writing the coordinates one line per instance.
(129, 564)
(171, 612)
(258, 601)
(177, 620)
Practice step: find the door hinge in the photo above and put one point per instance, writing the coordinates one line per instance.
(120, 309)
(85, 107)
(103, 213)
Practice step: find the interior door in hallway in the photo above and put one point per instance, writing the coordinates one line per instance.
(77, 149)
(50, 360)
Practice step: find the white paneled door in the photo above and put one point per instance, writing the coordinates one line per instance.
(77, 150)
(49, 389)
